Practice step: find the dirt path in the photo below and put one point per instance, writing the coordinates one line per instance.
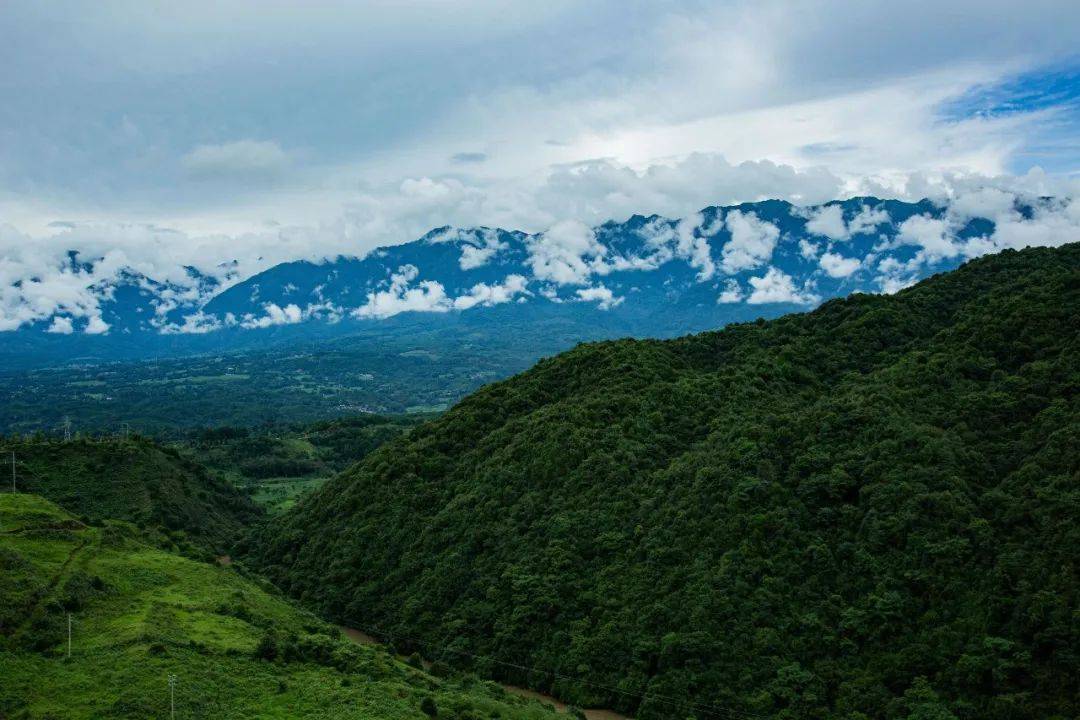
(362, 638)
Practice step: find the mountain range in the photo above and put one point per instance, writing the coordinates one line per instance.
(646, 276)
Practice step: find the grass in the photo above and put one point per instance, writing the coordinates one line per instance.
(140, 614)
(279, 494)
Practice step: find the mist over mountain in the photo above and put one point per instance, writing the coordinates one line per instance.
(644, 276)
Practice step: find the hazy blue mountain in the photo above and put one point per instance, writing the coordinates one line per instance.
(646, 276)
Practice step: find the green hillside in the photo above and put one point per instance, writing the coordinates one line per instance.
(868, 511)
(276, 465)
(140, 614)
(131, 479)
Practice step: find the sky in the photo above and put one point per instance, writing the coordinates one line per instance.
(164, 134)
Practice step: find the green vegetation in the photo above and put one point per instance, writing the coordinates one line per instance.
(868, 511)
(418, 370)
(278, 465)
(140, 614)
(135, 480)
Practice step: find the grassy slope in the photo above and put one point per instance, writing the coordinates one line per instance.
(141, 614)
(849, 513)
(135, 480)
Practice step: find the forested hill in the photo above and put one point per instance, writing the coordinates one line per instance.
(131, 479)
(870, 510)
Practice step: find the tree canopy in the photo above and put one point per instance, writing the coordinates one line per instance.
(870, 510)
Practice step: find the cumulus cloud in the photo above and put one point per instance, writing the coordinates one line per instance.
(484, 295)
(665, 240)
(604, 298)
(838, 266)
(808, 250)
(199, 323)
(752, 242)
(478, 254)
(96, 326)
(867, 220)
(732, 292)
(828, 221)
(430, 296)
(399, 297)
(934, 237)
(567, 254)
(275, 315)
(776, 286)
(61, 326)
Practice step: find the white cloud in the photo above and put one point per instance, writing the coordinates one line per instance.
(61, 326)
(567, 254)
(732, 292)
(96, 326)
(275, 315)
(687, 239)
(693, 244)
(776, 286)
(828, 221)
(430, 296)
(807, 249)
(244, 158)
(987, 202)
(484, 295)
(478, 255)
(867, 220)
(427, 296)
(752, 242)
(838, 266)
(199, 323)
(933, 235)
(604, 298)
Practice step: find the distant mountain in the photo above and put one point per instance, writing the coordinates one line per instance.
(647, 276)
(866, 511)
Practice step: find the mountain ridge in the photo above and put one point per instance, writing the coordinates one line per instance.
(808, 517)
(651, 275)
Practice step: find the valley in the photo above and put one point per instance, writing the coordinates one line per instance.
(522, 360)
(846, 513)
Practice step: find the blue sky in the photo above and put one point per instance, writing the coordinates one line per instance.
(263, 132)
(1049, 96)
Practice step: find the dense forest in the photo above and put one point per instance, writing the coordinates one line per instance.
(868, 511)
(132, 479)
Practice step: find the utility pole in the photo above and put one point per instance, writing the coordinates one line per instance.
(12, 471)
(69, 636)
(172, 697)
